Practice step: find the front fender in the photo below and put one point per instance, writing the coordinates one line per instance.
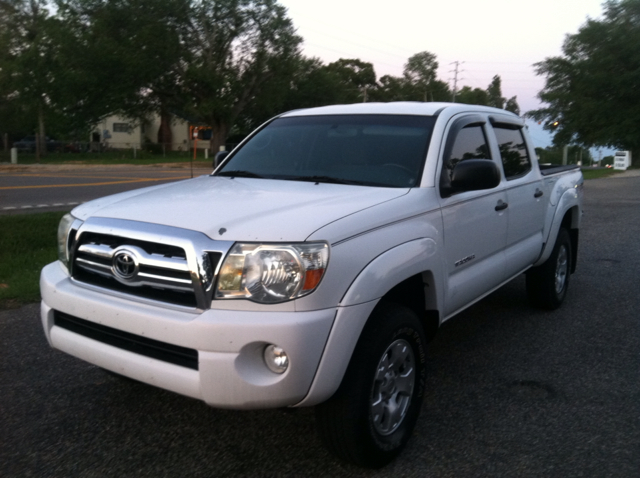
(391, 268)
(374, 281)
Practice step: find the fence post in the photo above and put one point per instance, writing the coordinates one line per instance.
(14, 155)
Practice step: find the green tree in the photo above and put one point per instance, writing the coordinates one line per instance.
(208, 60)
(472, 96)
(240, 49)
(354, 77)
(125, 57)
(418, 83)
(494, 93)
(607, 161)
(390, 88)
(492, 96)
(512, 105)
(28, 63)
(553, 155)
(310, 84)
(420, 72)
(591, 90)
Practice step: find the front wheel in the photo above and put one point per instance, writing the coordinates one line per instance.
(547, 284)
(370, 418)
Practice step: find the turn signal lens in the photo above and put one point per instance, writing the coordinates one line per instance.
(312, 279)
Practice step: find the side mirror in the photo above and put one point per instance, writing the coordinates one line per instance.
(475, 174)
(219, 157)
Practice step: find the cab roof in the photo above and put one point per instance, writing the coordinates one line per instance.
(396, 108)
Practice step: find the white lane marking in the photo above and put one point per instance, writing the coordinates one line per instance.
(58, 204)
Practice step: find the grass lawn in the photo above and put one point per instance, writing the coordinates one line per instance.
(598, 173)
(27, 243)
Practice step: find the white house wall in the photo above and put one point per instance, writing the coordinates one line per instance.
(119, 140)
(138, 135)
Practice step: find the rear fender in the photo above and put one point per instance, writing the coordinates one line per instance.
(568, 214)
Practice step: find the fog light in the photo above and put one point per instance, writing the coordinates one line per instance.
(276, 359)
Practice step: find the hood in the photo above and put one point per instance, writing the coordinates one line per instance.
(241, 209)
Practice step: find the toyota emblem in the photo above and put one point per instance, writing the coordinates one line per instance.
(125, 265)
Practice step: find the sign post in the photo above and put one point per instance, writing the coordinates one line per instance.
(195, 147)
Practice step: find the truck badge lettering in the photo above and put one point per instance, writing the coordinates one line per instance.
(465, 260)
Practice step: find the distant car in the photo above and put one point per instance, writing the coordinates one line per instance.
(28, 144)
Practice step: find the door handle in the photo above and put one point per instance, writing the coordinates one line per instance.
(538, 193)
(501, 205)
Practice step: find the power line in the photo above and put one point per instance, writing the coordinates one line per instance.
(455, 78)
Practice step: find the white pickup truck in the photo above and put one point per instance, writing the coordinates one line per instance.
(314, 264)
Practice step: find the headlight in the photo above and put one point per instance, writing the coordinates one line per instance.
(64, 228)
(271, 273)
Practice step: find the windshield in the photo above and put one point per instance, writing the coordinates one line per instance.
(370, 150)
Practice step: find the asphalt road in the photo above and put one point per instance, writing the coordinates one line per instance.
(62, 187)
(512, 391)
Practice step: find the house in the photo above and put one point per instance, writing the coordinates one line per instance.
(119, 132)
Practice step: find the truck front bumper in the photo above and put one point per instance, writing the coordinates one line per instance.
(228, 345)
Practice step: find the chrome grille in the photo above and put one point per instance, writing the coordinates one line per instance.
(141, 260)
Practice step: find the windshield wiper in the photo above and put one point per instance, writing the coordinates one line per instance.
(239, 174)
(325, 179)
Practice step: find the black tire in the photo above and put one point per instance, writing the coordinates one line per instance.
(547, 284)
(348, 423)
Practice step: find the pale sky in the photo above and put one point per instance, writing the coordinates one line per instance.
(491, 37)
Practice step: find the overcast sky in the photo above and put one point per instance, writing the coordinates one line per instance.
(503, 37)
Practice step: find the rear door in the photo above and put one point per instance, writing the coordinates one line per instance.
(525, 196)
(475, 222)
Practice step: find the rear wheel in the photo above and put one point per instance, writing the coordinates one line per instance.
(547, 284)
(370, 418)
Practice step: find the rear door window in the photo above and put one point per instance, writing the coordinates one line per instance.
(513, 151)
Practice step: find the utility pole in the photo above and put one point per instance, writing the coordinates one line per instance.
(455, 72)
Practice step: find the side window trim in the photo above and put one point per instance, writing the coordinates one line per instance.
(514, 126)
(458, 125)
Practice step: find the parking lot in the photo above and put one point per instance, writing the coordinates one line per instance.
(512, 391)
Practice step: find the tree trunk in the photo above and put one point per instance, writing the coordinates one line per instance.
(219, 133)
(41, 145)
(165, 136)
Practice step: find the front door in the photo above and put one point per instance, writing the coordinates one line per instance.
(475, 222)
